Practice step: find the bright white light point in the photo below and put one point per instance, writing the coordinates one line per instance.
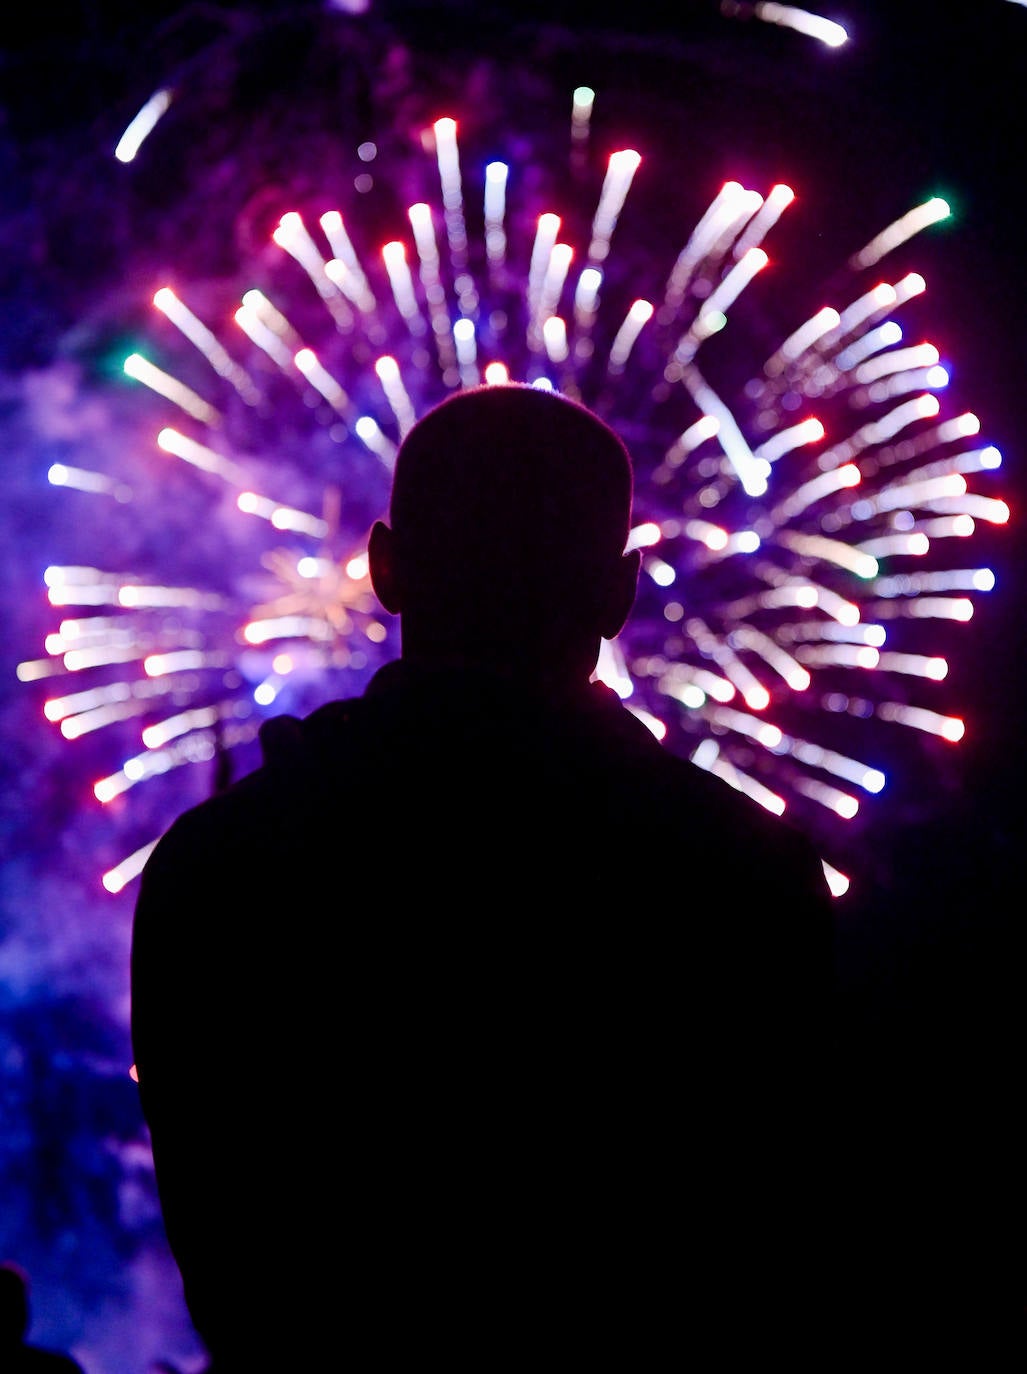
(937, 377)
(306, 360)
(463, 330)
(282, 664)
(953, 729)
(387, 369)
(308, 567)
(967, 424)
(57, 475)
(497, 374)
(356, 568)
(142, 125)
(747, 541)
(497, 172)
(991, 457)
(758, 699)
(264, 694)
(983, 580)
(643, 536)
(366, 428)
(837, 883)
(583, 98)
(248, 502)
(937, 669)
(873, 780)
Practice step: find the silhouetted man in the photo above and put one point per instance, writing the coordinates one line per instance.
(489, 1024)
(17, 1355)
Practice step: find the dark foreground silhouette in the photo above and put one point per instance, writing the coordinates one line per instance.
(17, 1355)
(484, 1021)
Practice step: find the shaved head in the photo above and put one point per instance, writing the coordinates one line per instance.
(510, 511)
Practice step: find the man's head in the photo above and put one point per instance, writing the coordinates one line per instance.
(509, 515)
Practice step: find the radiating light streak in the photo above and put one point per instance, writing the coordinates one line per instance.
(843, 804)
(860, 633)
(554, 338)
(913, 545)
(734, 283)
(496, 177)
(541, 249)
(35, 669)
(624, 340)
(122, 874)
(353, 280)
(750, 471)
(838, 655)
(852, 770)
(74, 725)
(466, 353)
(956, 579)
(322, 381)
(394, 255)
(763, 221)
(933, 378)
(809, 431)
(988, 508)
(137, 596)
(268, 313)
(877, 431)
(168, 303)
(756, 696)
(161, 665)
(370, 434)
(286, 627)
(845, 612)
(947, 527)
(958, 608)
(64, 475)
(912, 222)
(553, 279)
(816, 489)
(620, 171)
(293, 236)
(811, 331)
(75, 703)
(826, 31)
(582, 101)
(950, 728)
(715, 537)
(141, 370)
(448, 158)
(722, 211)
(915, 665)
(898, 360)
(838, 883)
(142, 124)
(258, 331)
(199, 456)
(777, 658)
(761, 731)
(387, 370)
(707, 756)
(884, 336)
(162, 732)
(282, 517)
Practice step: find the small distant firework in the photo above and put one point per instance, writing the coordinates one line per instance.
(804, 537)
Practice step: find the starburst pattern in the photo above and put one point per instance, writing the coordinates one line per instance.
(806, 530)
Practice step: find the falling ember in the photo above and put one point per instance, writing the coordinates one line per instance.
(796, 534)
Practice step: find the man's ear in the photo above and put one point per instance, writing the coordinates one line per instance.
(621, 595)
(381, 562)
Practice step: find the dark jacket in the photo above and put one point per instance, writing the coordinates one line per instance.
(469, 1013)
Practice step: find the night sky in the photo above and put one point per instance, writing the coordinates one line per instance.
(924, 100)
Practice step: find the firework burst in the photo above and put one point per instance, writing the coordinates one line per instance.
(806, 526)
